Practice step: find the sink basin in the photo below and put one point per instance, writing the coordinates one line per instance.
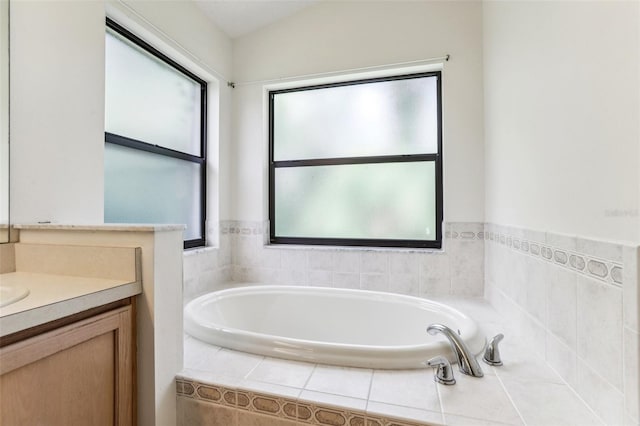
(12, 294)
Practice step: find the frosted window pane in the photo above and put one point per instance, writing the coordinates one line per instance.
(149, 101)
(395, 117)
(141, 187)
(378, 201)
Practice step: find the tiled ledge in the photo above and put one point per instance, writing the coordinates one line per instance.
(220, 382)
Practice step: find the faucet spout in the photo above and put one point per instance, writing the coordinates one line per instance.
(467, 362)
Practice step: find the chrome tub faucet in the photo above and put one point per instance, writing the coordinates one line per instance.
(467, 362)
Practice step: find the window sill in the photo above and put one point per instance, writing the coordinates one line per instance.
(197, 250)
(354, 248)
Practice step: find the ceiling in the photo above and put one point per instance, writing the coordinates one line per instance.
(239, 17)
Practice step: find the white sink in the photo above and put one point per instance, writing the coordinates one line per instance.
(12, 294)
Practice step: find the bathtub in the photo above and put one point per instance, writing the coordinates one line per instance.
(354, 328)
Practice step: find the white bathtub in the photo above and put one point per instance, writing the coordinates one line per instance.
(326, 325)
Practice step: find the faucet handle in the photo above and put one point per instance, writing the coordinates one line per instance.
(444, 372)
(492, 353)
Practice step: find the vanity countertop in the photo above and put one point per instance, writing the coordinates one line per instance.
(53, 297)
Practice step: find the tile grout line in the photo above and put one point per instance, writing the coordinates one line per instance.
(513, 404)
(442, 416)
(366, 406)
(575, 392)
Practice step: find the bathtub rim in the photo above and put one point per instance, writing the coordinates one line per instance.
(347, 354)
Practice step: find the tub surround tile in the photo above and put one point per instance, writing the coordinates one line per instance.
(466, 287)
(603, 398)
(591, 303)
(374, 262)
(535, 284)
(628, 421)
(404, 283)
(466, 268)
(481, 398)
(347, 261)
(373, 266)
(276, 390)
(332, 400)
(234, 363)
(477, 308)
(409, 388)
(210, 378)
(344, 381)
(561, 304)
(293, 259)
(404, 263)
(600, 249)
(599, 328)
(376, 409)
(453, 420)
(321, 260)
(562, 242)
(632, 374)
(198, 355)
(434, 275)
(374, 282)
(318, 278)
(517, 268)
(345, 280)
(530, 369)
(269, 259)
(292, 277)
(562, 359)
(543, 403)
(282, 372)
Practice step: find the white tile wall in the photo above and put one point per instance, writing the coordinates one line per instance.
(576, 299)
(458, 269)
(206, 269)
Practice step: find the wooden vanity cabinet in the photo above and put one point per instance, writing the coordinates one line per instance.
(81, 373)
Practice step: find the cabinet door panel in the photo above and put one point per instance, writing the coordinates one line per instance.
(80, 374)
(72, 387)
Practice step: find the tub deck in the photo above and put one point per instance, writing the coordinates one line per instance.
(245, 389)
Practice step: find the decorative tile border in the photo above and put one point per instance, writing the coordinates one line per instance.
(608, 271)
(303, 412)
(452, 230)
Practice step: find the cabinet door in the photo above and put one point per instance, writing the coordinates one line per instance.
(80, 374)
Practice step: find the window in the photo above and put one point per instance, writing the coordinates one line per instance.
(357, 163)
(155, 133)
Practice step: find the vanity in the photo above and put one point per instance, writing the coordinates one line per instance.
(68, 335)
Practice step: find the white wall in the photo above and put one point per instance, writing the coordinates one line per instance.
(334, 36)
(561, 84)
(57, 100)
(562, 154)
(57, 141)
(57, 111)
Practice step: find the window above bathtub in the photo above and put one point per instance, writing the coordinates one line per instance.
(155, 137)
(357, 163)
